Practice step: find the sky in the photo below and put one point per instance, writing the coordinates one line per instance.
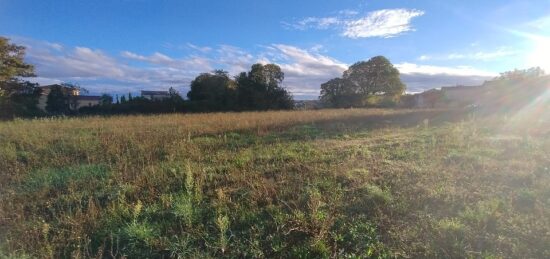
(121, 46)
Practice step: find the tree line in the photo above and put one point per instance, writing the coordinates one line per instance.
(258, 89)
(369, 83)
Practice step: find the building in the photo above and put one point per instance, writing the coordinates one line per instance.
(45, 91)
(77, 101)
(155, 95)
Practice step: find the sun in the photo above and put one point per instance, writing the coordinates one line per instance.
(540, 53)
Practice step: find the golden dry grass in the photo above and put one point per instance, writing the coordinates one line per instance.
(327, 183)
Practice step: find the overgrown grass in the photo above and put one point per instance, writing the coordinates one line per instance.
(309, 184)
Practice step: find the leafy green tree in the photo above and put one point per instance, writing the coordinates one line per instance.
(106, 100)
(58, 100)
(12, 62)
(20, 103)
(175, 102)
(260, 89)
(17, 97)
(375, 77)
(337, 93)
(212, 92)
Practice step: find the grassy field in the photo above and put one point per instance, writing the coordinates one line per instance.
(301, 184)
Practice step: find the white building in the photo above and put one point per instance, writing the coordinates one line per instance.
(77, 101)
(155, 95)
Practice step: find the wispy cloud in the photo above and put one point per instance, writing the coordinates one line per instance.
(305, 68)
(384, 23)
(199, 48)
(319, 23)
(411, 68)
(419, 78)
(192, 63)
(479, 55)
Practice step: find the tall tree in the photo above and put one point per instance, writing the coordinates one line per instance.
(337, 93)
(175, 102)
(260, 89)
(212, 92)
(12, 62)
(375, 77)
(17, 97)
(58, 100)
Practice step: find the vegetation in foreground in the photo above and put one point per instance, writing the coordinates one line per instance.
(309, 184)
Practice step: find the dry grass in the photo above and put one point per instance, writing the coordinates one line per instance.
(329, 183)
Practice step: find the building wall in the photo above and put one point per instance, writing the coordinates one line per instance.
(155, 97)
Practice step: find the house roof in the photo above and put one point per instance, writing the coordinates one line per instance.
(154, 93)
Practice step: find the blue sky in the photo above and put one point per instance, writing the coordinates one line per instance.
(121, 46)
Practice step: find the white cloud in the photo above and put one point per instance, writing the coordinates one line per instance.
(479, 55)
(410, 68)
(319, 23)
(424, 57)
(419, 78)
(382, 23)
(234, 59)
(541, 23)
(348, 12)
(192, 63)
(199, 48)
(305, 68)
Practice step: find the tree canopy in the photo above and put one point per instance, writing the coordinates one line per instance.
(260, 89)
(212, 92)
(12, 62)
(17, 97)
(58, 100)
(375, 77)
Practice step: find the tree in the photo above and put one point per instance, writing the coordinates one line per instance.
(106, 100)
(260, 89)
(17, 97)
(521, 74)
(175, 102)
(12, 64)
(338, 93)
(212, 92)
(375, 77)
(58, 100)
(20, 103)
